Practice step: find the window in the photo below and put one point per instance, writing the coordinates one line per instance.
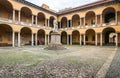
(9, 16)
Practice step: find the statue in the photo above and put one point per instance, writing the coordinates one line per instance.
(55, 29)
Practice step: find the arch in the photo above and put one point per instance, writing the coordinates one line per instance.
(90, 18)
(75, 37)
(90, 37)
(107, 40)
(108, 15)
(64, 37)
(75, 20)
(26, 15)
(41, 37)
(5, 35)
(26, 35)
(51, 21)
(64, 22)
(6, 9)
(41, 18)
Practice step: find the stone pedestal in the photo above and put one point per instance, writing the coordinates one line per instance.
(55, 43)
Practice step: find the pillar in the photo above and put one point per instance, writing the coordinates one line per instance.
(70, 39)
(18, 39)
(48, 39)
(36, 21)
(45, 39)
(101, 19)
(32, 40)
(116, 39)
(84, 40)
(84, 21)
(80, 21)
(96, 39)
(13, 39)
(36, 39)
(32, 19)
(80, 40)
(48, 23)
(68, 24)
(116, 18)
(19, 16)
(101, 43)
(96, 20)
(13, 15)
(67, 39)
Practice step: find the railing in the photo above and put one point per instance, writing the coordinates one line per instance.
(46, 27)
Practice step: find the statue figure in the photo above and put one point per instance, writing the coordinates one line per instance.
(55, 29)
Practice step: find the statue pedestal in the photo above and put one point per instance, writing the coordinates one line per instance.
(55, 43)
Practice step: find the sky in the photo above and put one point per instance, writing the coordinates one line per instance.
(61, 4)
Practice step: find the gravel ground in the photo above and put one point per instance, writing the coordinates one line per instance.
(114, 70)
(35, 62)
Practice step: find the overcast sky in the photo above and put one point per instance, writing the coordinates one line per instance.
(61, 4)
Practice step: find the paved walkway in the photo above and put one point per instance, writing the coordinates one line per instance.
(114, 70)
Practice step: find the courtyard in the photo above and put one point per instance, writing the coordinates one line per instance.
(73, 62)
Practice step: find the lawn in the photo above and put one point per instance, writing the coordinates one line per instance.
(35, 62)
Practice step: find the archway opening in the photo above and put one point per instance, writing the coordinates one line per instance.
(26, 15)
(5, 35)
(51, 21)
(26, 35)
(75, 37)
(41, 19)
(64, 37)
(109, 15)
(6, 9)
(75, 20)
(64, 22)
(109, 36)
(90, 37)
(90, 18)
(41, 37)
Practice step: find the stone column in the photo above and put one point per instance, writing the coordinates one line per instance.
(80, 40)
(96, 20)
(45, 39)
(70, 39)
(67, 24)
(70, 23)
(48, 39)
(101, 43)
(48, 23)
(19, 17)
(96, 39)
(13, 39)
(13, 15)
(116, 15)
(80, 22)
(84, 21)
(67, 39)
(84, 40)
(116, 39)
(60, 24)
(32, 19)
(36, 39)
(36, 21)
(32, 40)
(101, 19)
(18, 39)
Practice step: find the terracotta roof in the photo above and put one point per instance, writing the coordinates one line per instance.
(85, 6)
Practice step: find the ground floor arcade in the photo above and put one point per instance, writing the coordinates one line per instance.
(26, 36)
